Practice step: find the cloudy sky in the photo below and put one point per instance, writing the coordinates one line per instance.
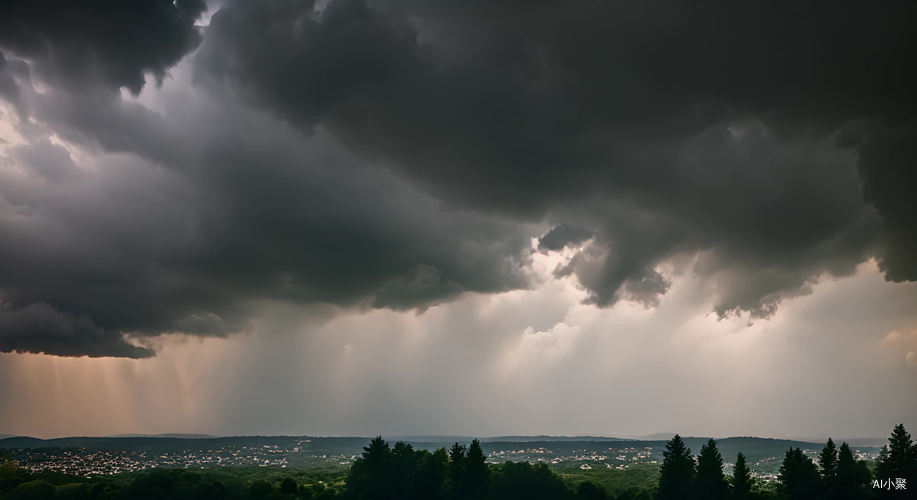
(435, 217)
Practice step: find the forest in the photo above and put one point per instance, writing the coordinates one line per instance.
(387, 471)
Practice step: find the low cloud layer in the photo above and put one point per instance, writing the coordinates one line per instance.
(531, 362)
(161, 176)
(41, 328)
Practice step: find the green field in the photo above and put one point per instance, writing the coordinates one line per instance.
(635, 478)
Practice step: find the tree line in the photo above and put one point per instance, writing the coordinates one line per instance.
(402, 473)
(836, 475)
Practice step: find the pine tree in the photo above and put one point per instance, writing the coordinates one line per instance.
(827, 462)
(798, 477)
(900, 458)
(849, 482)
(457, 483)
(709, 481)
(677, 471)
(477, 474)
(457, 454)
(741, 479)
(370, 474)
(404, 462)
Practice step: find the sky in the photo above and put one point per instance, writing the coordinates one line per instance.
(405, 217)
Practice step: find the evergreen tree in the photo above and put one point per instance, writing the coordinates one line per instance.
(457, 485)
(827, 463)
(677, 471)
(741, 479)
(798, 477)
(850, 480)
(477, 474)
(899, 457)
(709, 481)
(370, 475)
(457, 454)
(404, 464)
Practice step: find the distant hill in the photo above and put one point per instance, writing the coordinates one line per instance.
(752, 447)
(500, 439)
(877, 442)
(178, 436)
(856, 441)
(657, 436)
(551, 438)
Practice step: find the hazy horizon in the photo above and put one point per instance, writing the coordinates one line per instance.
(443, 438)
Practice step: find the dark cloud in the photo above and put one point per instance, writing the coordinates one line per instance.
(563, 235)
(716, 122)
(9, 89)
(247, 211)
(888, 165)
(501, 104)
(42, 328)
(100, 41)
(398, 154)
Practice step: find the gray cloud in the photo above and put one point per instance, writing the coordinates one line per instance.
(888, 165)
(563, 235)
(399, 154)
(40, 327)
(9, 90)
(48, 160)
(717, 123)
(108, 42)
(188, 240)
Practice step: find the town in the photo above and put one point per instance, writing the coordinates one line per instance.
(107, 456)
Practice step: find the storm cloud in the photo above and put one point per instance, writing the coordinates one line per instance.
(101, 42)
(401, 154)
(729, 128)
